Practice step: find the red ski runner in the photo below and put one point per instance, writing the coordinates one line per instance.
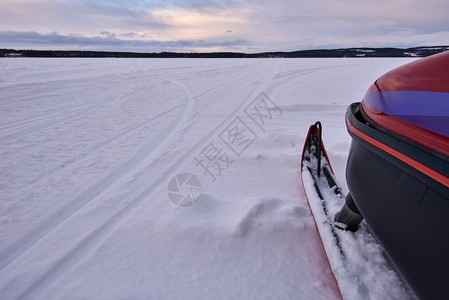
(355, 258)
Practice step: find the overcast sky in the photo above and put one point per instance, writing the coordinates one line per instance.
(221, 25)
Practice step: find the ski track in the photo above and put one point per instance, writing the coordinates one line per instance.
(99, 188)
(95, 190)
(103, 197)
(99, 234)
(87, 195)
(47, 122)
(91, 150)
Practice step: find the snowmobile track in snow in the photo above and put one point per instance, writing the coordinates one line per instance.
(138, 163)
(94, 190)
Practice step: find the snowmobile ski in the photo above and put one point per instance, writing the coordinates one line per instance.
(355, 258)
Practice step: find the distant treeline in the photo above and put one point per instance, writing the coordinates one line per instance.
(347, 52)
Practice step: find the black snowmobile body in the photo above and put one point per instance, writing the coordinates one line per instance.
(398, 170)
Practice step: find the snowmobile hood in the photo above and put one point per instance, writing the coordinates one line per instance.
(413, 101)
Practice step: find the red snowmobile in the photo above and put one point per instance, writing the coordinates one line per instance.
(397, 174)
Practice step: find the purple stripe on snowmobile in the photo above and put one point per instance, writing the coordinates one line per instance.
(429, 110)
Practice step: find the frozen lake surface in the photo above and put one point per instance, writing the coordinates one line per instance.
(168, 178)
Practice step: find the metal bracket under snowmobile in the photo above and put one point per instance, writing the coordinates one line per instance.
(314, 153)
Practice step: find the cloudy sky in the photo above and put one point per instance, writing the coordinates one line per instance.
(221, 25)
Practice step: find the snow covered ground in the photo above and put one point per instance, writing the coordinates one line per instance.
(167, 178)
